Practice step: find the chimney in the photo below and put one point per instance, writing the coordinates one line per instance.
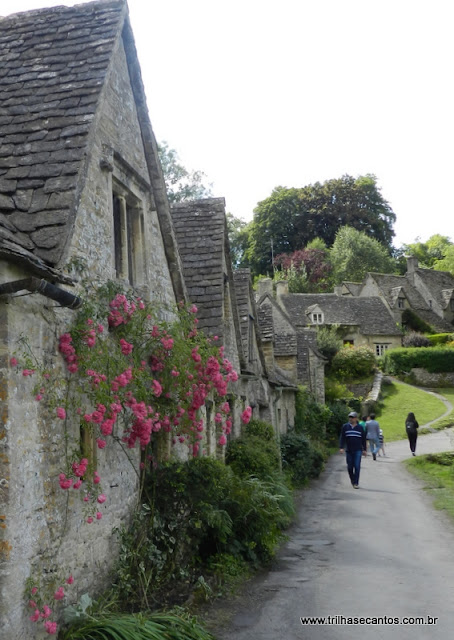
(281, 289)
(264, 286)
(412, 264)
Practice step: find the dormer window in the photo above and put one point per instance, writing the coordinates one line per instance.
(401, 303)
(317, 318)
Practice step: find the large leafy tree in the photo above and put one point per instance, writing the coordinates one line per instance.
(354, 253)
(290, 218)
(181, 183)
(429, 253)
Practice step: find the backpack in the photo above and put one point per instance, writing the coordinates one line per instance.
(410, 427)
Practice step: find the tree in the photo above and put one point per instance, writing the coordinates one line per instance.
(238, 237)
(430, 252)
(181, 184)
(447, 264)
(307, 270)
(353, 254)
(291, 218)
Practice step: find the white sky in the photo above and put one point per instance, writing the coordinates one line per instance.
(261, 93)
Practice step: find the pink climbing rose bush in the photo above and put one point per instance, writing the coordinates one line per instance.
(130, 378)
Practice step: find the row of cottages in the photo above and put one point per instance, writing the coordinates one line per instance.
(80, 180)
(289, 342)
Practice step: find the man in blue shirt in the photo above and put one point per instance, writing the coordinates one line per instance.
(353, 441)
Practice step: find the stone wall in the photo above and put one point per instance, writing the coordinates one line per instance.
(425, 379)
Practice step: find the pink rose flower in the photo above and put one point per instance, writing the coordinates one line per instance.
(101, 498)
(98, 515)
(50, 627)
(61, 413)
(246, 415)
(13, 362)
(222, 440)
(69, 580)
(59, 594)
(36, 616)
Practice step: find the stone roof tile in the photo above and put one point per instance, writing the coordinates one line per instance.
(53, 63)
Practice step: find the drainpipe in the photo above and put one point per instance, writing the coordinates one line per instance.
(37, 285)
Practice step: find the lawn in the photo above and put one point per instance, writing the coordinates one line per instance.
(437, 472)
(398, 399)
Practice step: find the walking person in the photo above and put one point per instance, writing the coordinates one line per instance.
(373, 435)
(353, 442)
(411, 427)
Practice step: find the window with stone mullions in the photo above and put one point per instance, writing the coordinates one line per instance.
(128, 234)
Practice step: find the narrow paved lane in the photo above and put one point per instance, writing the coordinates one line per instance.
(381, 550)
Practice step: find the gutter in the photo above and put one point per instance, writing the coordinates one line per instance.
(38, 285)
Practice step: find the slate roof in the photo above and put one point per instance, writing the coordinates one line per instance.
(439, 283)
(242, 279)
(200, 229)
(369, 313)
(53, 63)
(436, 281)
(389, 284)
(285, 343)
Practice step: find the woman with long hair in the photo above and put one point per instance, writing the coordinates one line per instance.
(411, 427)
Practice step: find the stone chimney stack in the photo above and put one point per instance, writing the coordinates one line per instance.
(281, 290)
(264, 286)
(412, 264)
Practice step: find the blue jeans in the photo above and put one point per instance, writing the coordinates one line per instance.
(354, 465)
(374, 444)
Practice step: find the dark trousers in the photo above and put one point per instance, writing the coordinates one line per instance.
(354, 465)
(412, 437)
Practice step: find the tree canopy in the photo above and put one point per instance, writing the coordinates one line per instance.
(181, 184)
(289, 219)
(354, 253)
(429, 253)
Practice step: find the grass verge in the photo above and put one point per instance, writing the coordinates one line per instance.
(397, 400)
(447, 421)
(437, 472)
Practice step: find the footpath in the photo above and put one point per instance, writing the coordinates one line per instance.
(381, 558)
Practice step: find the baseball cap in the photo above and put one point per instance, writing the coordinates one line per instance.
(352, 414)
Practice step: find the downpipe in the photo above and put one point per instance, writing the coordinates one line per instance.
(38, 285)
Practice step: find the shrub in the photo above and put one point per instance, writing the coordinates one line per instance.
(352, 363)
(413, 322)
(260, 428)
(339, 415)
(336, 390)
(301, 459)
(197, 511)
(437, 339)
(328, 342)
(403, 360)
(311, 416)
(253, 455)
(415, 339)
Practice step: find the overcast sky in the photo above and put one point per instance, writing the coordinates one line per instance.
(261, 93)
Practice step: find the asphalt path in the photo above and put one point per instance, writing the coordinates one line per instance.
(379, 551)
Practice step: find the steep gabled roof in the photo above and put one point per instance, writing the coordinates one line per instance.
(246, 307)
(54, 63)
(200, 231)
(369, 313)
(389, 283)
(285, 343)
(436, 282)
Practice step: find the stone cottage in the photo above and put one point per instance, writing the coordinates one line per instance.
(80, 181)
(226, 309)
(365, 321)
(427, 293)
(290, 346)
